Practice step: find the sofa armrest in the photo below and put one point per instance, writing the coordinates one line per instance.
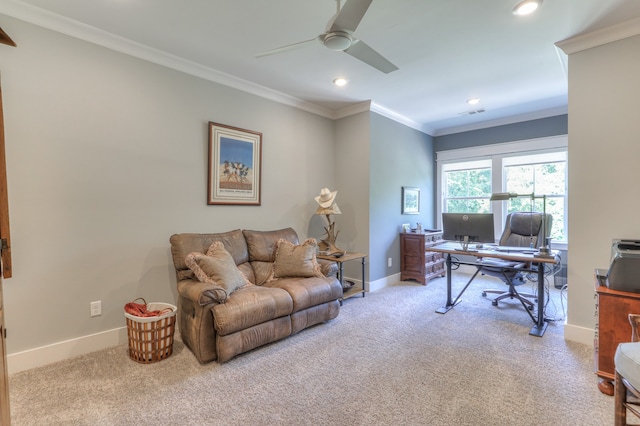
(202, 293)
(329, 268)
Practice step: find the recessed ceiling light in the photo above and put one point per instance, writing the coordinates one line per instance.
(340, 81)
(473, 101)
(526, 7)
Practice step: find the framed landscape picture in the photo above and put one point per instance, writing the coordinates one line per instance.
(410, 200)
(235, 164)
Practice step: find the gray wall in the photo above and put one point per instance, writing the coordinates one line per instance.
(352, 170)
(400, 156)
(540, 128)
(107, 157)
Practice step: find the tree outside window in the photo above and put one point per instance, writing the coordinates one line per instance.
(540, 179)
(468, 191)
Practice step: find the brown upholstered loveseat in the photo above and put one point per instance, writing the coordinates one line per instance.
(215, 325)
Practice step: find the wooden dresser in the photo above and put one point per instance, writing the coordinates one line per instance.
(416, 261)
(612, 315)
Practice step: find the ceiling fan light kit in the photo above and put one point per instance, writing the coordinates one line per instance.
(526, 7)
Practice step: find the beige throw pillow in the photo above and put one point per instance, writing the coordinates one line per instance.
(217, 267)
(296, 260)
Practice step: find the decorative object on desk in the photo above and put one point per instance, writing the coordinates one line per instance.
(406, 227)
(544, 250)
(418, 227)
(327, 206)
(235, 164)
(410, 200)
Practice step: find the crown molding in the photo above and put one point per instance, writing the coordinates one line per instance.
(66, 26)
(379, 109)
(600, 37)
(54, 22)
(352, 110)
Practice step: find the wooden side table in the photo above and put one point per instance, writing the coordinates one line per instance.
(340, 261)
(612, 328)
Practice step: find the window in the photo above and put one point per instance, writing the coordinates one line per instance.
(467, 178)
(467, 187)
(543, 175)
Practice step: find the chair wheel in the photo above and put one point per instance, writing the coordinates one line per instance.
(494, 303)
(484, 294)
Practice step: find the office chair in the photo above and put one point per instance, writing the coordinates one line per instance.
(522, 229)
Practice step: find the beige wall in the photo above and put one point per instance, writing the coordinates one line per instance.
(604, 151)
(107, 157)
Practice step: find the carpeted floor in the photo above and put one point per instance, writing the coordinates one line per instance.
(388, 359)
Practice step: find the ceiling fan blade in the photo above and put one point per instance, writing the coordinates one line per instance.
(366, 54)
(288, 47)
(350, 15)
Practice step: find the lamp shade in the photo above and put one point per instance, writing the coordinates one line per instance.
(501, 196)
(332, 209)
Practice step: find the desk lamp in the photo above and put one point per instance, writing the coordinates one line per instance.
(544, 250)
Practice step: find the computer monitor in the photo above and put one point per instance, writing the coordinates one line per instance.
(468, 228)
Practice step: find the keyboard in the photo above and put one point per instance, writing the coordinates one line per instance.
(526, 250)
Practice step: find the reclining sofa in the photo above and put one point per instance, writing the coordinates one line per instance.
(282, 291)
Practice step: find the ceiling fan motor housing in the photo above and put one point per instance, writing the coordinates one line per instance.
(337, 40)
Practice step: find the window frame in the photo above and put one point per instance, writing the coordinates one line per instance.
(498, 154)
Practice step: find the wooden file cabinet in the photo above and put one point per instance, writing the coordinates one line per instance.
(612, 328)
(416, 261)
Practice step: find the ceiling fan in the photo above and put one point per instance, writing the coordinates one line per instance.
(339, 37)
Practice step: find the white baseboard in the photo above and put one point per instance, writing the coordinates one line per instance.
(44, 355)
(60, 351)
(577, 334)
(377, 284)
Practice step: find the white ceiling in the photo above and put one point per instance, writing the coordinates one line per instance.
(447, 51)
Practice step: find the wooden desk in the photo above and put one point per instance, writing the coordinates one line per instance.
(345, 258)
(451, 248)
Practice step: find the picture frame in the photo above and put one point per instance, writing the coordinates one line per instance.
(410, 200)
(235, 166)
(406, 228)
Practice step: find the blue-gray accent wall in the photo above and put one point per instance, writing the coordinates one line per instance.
(400, 156)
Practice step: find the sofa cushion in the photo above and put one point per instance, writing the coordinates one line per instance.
(250, 306)
(217, 267)
(307, 292)
(262, 272)
(293, 260)
(183, 244)
(262, 244)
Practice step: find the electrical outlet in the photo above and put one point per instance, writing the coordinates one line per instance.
(96, 308)
(389, 263)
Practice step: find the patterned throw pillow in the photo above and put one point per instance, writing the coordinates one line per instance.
(217, 267)
(296, 260)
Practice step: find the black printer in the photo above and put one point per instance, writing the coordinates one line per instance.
(624, 270)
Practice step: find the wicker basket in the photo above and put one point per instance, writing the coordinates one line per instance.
(151, 338)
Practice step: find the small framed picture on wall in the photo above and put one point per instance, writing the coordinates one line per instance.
(410, 200)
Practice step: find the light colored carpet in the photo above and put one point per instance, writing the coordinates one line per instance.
(387, 359)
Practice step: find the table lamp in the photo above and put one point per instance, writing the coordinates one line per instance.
(327, 206)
